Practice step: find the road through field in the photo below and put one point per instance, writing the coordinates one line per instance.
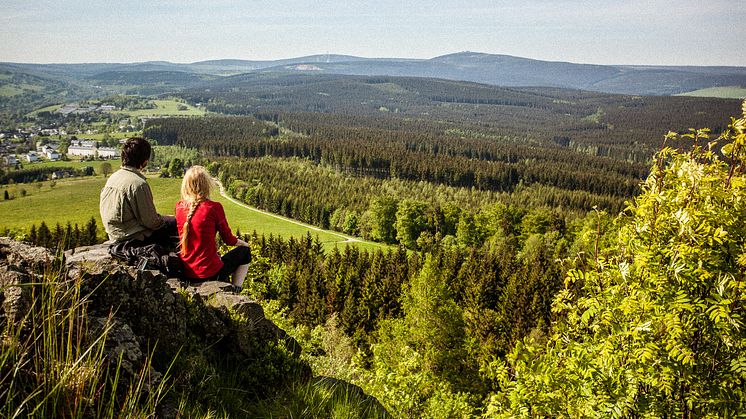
(346, 239)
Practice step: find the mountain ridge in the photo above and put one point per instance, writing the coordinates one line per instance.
(477, 67)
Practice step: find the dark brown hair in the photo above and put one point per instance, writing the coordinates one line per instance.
(135, 152)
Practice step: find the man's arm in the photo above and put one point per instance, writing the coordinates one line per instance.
(144, 208)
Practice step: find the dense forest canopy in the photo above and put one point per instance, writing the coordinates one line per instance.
(621, 127)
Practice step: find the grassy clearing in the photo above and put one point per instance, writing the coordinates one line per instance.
(50, 108)
(76, 201)
(10, 90)
(75, 164)
(100, 135)
(165, 108)
(726, 92)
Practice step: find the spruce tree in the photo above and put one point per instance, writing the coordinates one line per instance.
(43, 235)
(91, 232)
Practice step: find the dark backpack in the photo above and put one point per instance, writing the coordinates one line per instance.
(148, 256)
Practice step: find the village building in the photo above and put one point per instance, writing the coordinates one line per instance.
(67, 109)
(43, 148)
(51, 154)
(92, 151)
(83, 151)
(10, 160)
(59, 174)
(84, 109)
(32, 157)
(108, 152)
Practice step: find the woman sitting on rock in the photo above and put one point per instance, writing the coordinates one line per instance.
(198, 219)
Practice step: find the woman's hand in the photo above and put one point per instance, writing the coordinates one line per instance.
(240, 242)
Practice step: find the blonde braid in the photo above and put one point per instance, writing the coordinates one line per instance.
(192, 209)
(195, 189)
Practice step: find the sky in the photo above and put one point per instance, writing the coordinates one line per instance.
(649, 32)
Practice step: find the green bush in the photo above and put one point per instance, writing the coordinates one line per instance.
(658, 328)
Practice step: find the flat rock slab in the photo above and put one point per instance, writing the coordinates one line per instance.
(96, 253)
(24, 256)
(208, 289)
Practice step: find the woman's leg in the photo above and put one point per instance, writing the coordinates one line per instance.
(236, 264)
(239, 275)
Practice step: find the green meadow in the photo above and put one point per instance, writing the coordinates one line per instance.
(76, 201)
(10, 90)
(75, 164)
(100, 135)
(50, 108)
(165, 107)
(725, 92)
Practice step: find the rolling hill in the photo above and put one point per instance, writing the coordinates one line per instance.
(493, 69)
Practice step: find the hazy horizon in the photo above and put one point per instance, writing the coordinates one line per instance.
(606, 32)
(355, 56)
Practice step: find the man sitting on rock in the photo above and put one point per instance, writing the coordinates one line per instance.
(127, 210)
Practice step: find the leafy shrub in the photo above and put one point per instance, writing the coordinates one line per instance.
(658, 328)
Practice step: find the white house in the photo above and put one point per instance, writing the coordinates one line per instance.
(46, 147)
(32, 157)
(78, 150)
(108, 152)
(11, 160)
(51, 154)
(85, 151)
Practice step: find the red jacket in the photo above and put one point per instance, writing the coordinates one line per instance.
(201, 259)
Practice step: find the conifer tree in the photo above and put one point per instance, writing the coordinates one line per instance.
(43, 235)
(32, 236)
(91, 232)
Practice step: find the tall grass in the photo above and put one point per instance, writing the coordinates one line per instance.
(319, 399)
(54, 364)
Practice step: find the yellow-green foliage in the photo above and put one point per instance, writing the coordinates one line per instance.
(657, 329)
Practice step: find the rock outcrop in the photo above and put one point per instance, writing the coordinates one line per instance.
(144, 312)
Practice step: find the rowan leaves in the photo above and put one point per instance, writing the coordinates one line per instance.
(658, 331)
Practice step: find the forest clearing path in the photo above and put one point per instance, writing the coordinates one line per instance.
(347, 239)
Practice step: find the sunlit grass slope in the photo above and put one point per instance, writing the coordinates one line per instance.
(76, 200)
(724, 92)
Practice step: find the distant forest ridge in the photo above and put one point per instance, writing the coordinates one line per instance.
(498, 70)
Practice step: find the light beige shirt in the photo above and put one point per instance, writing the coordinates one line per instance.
(126, 206)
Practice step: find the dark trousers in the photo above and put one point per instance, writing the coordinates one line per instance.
(167, 236)
(154, 252)
(239, 255)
